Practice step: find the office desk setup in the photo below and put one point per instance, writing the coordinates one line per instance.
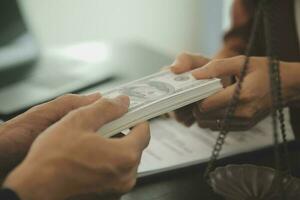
(131, 62)
(188, 183)
(29, 76)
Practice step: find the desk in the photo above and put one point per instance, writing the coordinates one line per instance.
(188, 183)
(184, 184)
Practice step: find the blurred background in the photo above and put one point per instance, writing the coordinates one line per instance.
(52, 47)
(171, 26)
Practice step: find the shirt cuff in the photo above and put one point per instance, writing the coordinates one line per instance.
(8, 194)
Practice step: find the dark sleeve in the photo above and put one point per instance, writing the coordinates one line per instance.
(8, 194)
(242, 14)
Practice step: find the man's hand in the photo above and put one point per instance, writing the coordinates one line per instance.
(255, 98)
(70, 158)
(186, 62)
(17, 135)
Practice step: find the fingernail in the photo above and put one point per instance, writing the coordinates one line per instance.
(123, 100)
(174, 63)
(94, 96)
(165, 68)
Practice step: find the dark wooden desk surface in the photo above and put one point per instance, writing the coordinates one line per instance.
(188, 184)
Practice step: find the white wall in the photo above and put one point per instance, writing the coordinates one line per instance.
(168, 25)
(226, 14)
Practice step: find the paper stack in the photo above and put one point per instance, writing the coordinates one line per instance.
(175, 146)
(158, 94)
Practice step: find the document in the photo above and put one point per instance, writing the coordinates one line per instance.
(174, 146)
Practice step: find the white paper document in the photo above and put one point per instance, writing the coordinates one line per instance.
(175, 146)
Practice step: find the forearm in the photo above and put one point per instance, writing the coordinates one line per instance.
(10, 155)
(290, 73)
(6, 158)
(33, 181)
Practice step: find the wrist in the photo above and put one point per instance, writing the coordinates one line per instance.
(290, 73)
(34, 182)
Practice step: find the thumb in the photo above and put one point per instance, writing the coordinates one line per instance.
(187, 61)
(48, 113)
(138, 138)
(95, 115)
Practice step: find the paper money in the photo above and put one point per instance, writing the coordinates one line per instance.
(157, 94)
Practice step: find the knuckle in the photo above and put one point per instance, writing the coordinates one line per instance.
(69, 100)
(202, 124)
(183, 55)
(124, 183)
(184, 58)
(127, 185)
(247, 96)
(128, 161)
(35, 109)
(132, 159)
(216, 62)
(247, 113)
(67, 97)
(113, 107)
(79, 113)
(108, 103)
(214, 66)
(74, 113)
(240, 58)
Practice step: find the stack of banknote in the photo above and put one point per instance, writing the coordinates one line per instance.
(158, 94)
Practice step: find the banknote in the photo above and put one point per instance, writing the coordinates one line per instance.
(156, 87)
(157, 94)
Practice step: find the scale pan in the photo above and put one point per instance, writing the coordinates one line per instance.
(250, 182)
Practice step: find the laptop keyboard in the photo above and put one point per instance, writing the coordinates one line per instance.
(53, 75)
(51, 78)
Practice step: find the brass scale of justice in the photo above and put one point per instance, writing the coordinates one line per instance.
(250, 182)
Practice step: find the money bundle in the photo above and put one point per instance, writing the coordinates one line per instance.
(157, 94)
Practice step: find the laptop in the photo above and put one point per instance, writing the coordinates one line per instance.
(29, 76)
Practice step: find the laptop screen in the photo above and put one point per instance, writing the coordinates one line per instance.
(11, 23)
(18, 50)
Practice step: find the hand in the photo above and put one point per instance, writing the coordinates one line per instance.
(255, 98)
(186, 62)
(17, 135)
(70, 158)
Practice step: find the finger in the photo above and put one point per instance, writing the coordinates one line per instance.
(138, 138)
(235, 124)
(95, 196)
(220, 68)
(244, 110)
(94, 116)
(227, 80)
(217, 101)
(48, 113)
(187, 61)
(185, 115)
(209, 120)
(245, 117)
(216, 114)
(189, 122)
(59, 107)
